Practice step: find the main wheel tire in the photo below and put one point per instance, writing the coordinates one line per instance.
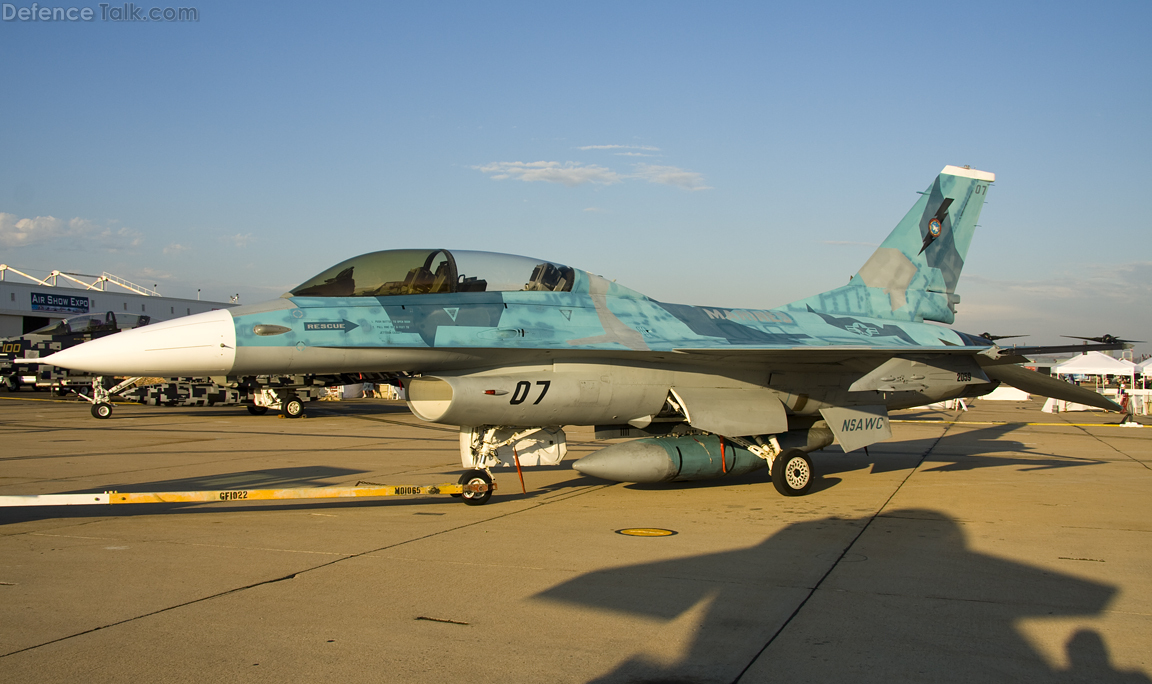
(257, 410)
(792, 473)
(476, 477)
(293, 407)
(101, 410)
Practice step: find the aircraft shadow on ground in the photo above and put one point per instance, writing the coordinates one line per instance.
(927, 609)
(271, 478)
(982, 448)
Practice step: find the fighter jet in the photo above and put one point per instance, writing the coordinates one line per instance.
(511, 349)
(20, 362)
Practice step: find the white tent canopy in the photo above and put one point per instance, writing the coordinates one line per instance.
(1145, 368)
(1095, 363)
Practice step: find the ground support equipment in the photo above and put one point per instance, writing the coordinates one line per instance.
(475, 488)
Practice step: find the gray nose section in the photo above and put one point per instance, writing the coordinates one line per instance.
(636, 461)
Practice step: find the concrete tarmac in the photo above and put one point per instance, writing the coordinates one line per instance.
(1001, 544)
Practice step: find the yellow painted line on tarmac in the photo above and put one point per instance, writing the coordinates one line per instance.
(1004, 422)
(114, 400)
(58, 401)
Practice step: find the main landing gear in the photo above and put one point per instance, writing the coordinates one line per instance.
(292, 407)
(287, 402)
(791, 469)
(792, 473)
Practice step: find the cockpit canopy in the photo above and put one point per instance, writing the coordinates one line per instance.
(93, 322)
(436, 271)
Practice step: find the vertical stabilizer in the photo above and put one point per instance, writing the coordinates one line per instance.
(912, 276)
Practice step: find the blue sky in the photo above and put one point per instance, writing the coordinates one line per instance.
(741, 154)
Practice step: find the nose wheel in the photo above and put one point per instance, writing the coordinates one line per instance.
(101, 410)
(475, 477)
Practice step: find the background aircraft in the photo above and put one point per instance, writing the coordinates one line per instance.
(511, 349)
(19, 356)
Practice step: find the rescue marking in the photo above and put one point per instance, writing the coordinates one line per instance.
(343, 326)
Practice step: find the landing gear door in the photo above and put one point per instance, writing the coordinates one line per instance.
(732, 412)
(856, 427)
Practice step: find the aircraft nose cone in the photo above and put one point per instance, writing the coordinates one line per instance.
(202, 344)
(636, 461)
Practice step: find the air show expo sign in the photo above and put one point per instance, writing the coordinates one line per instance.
(59, 303)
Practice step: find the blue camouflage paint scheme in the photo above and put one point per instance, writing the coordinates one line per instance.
(913, 276)
(910, 279)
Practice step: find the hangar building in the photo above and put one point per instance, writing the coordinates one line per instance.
(26, 306)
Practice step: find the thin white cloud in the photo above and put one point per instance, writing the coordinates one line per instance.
(634, 154)
(1130, 283)
(117, 239)
(850, 243)
(1091, 300)
(175, 248)
(239, 240)
(647, 148)
(671, 175)
(596, 210)
(77, 232)
(18, 232)
(149, 272)
(570, 174)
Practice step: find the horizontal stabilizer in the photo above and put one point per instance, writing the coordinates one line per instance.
(825, 351)
(1048, 386)
(1021, 350)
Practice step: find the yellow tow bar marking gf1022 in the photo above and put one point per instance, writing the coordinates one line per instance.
(473, 488)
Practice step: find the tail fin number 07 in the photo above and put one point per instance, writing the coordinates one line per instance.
(523, 388)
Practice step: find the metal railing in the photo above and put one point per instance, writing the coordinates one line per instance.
(98, 284)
